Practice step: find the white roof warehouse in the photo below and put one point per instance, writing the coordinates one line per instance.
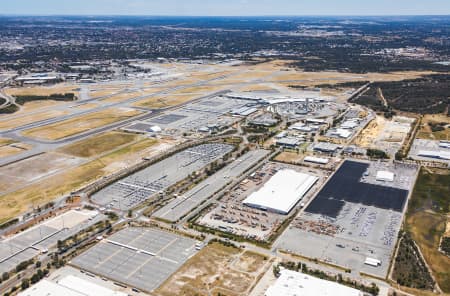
(282, 192)
(292, 283)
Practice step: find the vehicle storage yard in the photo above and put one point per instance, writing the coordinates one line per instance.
(355, 216)
(182, 205)
(139, 257)
(138, 187)
(31, 242)
(232, 215)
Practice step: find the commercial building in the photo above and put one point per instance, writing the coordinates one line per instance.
(282, 192)
(326, 147)
(317, 160)
(291, 283)
(434, 154)
(288, 142)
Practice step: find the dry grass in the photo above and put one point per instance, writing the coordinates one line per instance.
(6, 151)
(122, 97)
(215, 269)
(426, 229)
(5, 141)
(43, 90)
(21, 173)
(425, 131)
(9, 122)
(204, 90)
(81, 124)
(68, 180)
(165, 101)
(289, 157)
(99, 144)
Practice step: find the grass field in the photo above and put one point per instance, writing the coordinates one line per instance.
(216, 269)
(81, 124)
(99, 144)
(12, 204)
(426, 220)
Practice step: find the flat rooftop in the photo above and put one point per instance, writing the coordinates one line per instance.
(69, 286)
(291, 283)
(282, 192)
(138, 257)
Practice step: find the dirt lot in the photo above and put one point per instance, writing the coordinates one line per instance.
(81, 124)
(289, 157)
(216, 269)
(67, 180)
(99, 144)
(371, 132)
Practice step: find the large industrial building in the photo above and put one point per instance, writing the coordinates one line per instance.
(282, 192)
(69, 286)
(291, 283)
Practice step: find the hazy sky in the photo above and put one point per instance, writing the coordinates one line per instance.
(226, 7)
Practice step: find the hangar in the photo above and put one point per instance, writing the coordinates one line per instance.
(282, 192)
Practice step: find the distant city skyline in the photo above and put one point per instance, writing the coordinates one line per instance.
(225, 7)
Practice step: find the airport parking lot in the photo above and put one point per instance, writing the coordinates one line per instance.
(183, 204)
(139, 257)
(353, 217)
(140, 186)
(231, 215)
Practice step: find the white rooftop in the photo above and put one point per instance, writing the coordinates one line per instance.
(69, 286)
(282, 192)
(385, 176)
(292, 283)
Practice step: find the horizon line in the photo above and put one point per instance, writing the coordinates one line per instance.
(213, 16)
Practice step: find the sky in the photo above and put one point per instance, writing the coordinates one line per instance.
(225, 7)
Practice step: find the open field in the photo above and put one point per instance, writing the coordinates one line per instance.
(122, 97)
(164, 101)
(17, 202)
(20, 173)
(43, 90)
(5, 142)
(9, 122)
(202, 90)
(81, 124)
(9, 150)
(99, 144)
(427, 218)
(426, 132)
(216, 269)
(289, 157)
